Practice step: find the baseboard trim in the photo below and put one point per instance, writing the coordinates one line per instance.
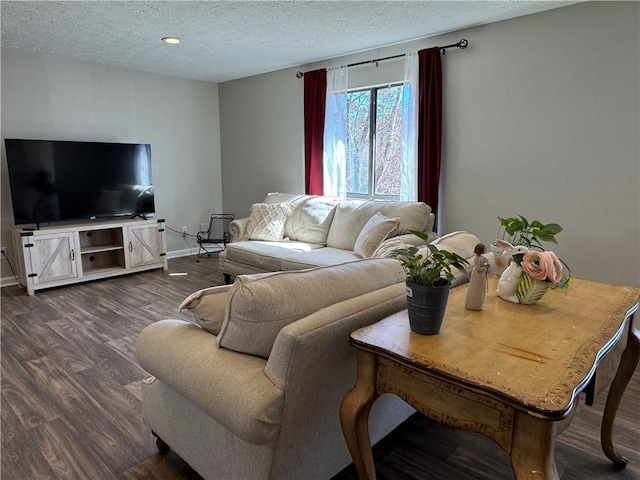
(8, 282)
(186, 252)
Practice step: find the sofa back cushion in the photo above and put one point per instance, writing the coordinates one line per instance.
(260, 305)
(351, 216)
(311, 218)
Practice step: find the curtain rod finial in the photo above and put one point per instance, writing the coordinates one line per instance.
(299, 74)
(463, 43)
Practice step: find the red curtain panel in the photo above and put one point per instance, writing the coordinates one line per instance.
(429, 126)
(315, 94)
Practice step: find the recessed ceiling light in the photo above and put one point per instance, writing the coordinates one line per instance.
(171, 40)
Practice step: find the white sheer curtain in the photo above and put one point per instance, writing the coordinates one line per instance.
(335, 133)
(409, 164)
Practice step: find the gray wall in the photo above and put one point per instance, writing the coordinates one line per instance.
(541, 118)
(45, 97)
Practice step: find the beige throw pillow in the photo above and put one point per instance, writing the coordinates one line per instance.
(376, 230)
(266, 221)
(208, 306)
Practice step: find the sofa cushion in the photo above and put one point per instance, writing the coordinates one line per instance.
(311, 218)
(377, 229)
(265, 255)
(260, 305)
(278, 197)
(322, 257)
(266, 221)
(208, 306)
(351, 216)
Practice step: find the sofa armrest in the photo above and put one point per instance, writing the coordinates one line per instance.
(411, 239)
(238, 229)
(432, 223)
(315, 363)
(228, 386)
(320, 341)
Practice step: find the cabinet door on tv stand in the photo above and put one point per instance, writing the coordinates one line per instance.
(53, 257)
(143, 246)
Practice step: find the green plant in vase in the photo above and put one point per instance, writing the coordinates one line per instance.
(526, 281)
(429, 275)
(519, 231)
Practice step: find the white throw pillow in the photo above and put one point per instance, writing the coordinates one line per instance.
(376, 230)
(311, 219)
(387, 247)
(208, 306)
(266, 221)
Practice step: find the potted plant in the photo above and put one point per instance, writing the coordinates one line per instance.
(429, 275)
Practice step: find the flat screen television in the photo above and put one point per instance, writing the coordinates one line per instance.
(53, 180)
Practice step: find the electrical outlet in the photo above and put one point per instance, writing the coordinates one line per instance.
(203, 227)
(184, 230)
(3, 249)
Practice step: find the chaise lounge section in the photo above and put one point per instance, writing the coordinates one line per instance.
(317, 231)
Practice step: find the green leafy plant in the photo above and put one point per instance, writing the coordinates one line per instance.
(431, 269)
(519, 231)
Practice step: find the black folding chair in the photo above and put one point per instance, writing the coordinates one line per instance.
(217, 235)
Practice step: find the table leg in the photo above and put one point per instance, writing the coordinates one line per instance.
(354, 416)
(533, 448)
(628, 364)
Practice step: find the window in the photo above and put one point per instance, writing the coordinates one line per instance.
(374, 146)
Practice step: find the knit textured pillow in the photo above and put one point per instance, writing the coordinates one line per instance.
(266, 221)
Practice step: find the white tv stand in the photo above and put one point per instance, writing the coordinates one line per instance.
(63, 255)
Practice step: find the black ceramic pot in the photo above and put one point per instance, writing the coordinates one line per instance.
(426, 307)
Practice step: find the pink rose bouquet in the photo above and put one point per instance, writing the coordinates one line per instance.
(544, 266)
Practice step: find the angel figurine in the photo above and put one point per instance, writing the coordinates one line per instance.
(478, 282)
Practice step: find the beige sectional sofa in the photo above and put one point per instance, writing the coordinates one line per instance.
(253, 390)
(317, 231)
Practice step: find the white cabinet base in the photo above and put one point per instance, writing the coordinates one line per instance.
(63, 255)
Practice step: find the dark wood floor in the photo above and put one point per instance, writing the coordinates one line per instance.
(71, 395)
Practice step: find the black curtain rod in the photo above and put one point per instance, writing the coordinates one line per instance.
(462, 44)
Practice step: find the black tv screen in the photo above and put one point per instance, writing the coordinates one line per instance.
(54, 180)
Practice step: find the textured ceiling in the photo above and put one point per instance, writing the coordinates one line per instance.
(226, 40)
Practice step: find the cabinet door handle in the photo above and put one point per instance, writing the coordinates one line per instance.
(130, 247)
(73, 255)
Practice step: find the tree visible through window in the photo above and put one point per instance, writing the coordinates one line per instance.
(374, 149)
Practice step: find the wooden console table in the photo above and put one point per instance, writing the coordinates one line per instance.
(510, 372)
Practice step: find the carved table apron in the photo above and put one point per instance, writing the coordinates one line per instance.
(510, 372)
